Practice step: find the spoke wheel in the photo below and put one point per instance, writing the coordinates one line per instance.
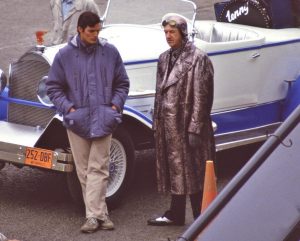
(121, 166)
(121, 170)
(117, 167)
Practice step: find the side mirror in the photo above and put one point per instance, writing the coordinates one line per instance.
(3, 81)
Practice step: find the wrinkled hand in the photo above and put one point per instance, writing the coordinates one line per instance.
(194, 140)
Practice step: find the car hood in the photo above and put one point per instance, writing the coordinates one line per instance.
(134, 42)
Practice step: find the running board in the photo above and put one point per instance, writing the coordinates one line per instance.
(241, 138)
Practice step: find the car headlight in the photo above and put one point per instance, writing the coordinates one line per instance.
(3, 80)
(42, 92)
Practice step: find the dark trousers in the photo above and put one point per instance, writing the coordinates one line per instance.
(178, 206)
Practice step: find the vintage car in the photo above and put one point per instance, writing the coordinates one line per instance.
(255, 55)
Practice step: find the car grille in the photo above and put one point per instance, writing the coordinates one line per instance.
(24, 77)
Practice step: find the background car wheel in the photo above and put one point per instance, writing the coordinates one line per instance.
(121, 170)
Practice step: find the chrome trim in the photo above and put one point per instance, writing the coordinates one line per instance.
(105, 13)
(194, 31)
(214, 125)
(41, 92)
(242, 142)
(15, 154)
(138, 96)
(255, 55)
(9, 73)
(3, 80)
(245, 137)
(250, 129)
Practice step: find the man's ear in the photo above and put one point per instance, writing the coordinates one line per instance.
(80, 29)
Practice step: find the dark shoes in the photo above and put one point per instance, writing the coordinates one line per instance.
(91, 225)
(165, 220)
(107, 224)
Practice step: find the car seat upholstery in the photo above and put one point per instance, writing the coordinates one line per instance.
(221, 33)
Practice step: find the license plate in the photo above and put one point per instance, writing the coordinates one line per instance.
(39, 157)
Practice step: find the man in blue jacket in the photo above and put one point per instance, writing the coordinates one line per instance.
(88, 85)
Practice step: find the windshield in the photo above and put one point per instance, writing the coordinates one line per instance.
(145, 12)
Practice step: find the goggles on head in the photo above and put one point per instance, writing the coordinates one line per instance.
(177, 22)
(171, 22)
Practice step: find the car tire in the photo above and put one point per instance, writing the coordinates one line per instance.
(121, 170)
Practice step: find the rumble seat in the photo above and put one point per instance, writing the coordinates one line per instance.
(217, 36)
(221, 34)
(213, 33)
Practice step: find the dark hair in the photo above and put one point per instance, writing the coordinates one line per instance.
(88, 19)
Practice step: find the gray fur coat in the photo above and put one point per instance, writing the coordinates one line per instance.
(183, 104)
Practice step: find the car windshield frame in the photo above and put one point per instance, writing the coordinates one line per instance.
(146, 13)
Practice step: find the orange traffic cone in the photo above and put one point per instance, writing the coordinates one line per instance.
(210, 185)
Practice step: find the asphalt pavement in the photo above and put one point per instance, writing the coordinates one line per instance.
(35, 205)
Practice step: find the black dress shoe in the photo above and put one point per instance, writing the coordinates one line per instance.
(164, 220)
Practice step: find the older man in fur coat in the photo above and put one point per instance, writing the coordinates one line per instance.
(182, 123)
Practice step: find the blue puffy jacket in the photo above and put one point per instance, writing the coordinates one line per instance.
(89, 79)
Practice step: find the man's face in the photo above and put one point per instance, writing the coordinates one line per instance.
(173, 36)
(89, 35)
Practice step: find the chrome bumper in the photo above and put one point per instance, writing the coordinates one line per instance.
(16, 154)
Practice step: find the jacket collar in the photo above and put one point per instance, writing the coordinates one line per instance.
(73, 41)
(182, 65)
